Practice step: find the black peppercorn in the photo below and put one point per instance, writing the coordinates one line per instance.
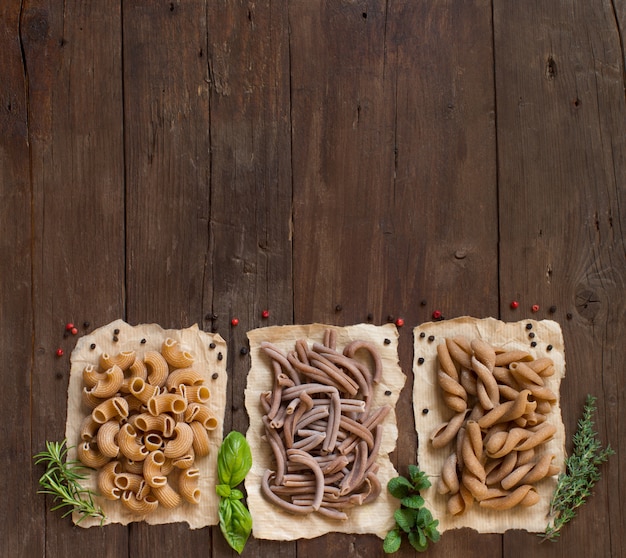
(529, 326)
(92, 346)
(533, 344)
(370, 317)
(215, 375)
(143, 341)
(220, 356)
(212, 346)
(569, 316)
(338, 308)
(243, 351)
(424, 411)
(552, 309)
(431, 338)
(549, 347)
(387, 392)
(115, 339)
(422, 335)
(387, 341)
(86, 324)
(116, 331)
(420, 360)
(531, 335)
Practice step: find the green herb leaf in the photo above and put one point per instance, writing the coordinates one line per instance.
(418, 478)
(223, 490)
(405, 519)
(415, 501)
(418, 540)
(234, 459)
(392, 541)
(235, 523)
(399, 487)
(236, 494)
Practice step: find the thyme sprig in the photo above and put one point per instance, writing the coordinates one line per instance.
(581, 473)
(62, 481)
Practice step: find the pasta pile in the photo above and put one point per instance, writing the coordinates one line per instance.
(148, 423)
(499, 426)
(322, 431)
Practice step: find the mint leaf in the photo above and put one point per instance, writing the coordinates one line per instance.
(399, 487)
(392, 542)
(418, 540)
(414, 501)
(405, 519)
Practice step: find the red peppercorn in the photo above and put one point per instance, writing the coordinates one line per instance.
(59, 352)
(265, 314)
(69, 326)
(436, 314)
(234, 322)
(514, 304)
(74, 331)
(535, 308)
(399, 322)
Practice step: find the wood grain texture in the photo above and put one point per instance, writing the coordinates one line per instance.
(336, 161)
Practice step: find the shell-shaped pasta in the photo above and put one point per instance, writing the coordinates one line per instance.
(129, 445)
(180, 442)
(116, 407)
(175, 356)
(106, 438)
(152, 469)
(157, 368)
(129, 481)
(142, 390)
(195, 394)
(167, 496)
(89, 400)
(141, 506)
(201, 446)
(167, 403)
(110, 383)
(201, 413)
(91, 456)
(91, 376)
(88, 429)
(183, 376)
(163, 423)
(188, 485)
(123, 360)
(106, 480)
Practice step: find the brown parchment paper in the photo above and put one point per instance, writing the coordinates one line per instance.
(206, 362)
(270, 522)
(426, 395)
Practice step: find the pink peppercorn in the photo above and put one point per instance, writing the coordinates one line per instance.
(399, 322)
(436, 314)
(514, 304)
(535, 308)
(234, 322)
(69, 326)
(265, 314)
(74, 331)
(59, 352)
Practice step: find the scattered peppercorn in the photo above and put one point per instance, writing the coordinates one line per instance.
(535, 308)
(338, 308)
(420, 360)
(59, 352)
(390, 318)
(243, 351)
(431, 338)
(424, 411)
(552, 309)
(387, 341)
(143, 341)
(92, 346)
(86, 324)
(115, 339)
(234, 322)
(207, 317)
(220, 356)
(211, 345)
(533, 344)
(422, 335)
(116, 331)
(514, 304)
(215, 375)
(424, 302)
(529, 326)
(388, 392)
(74, 331)
(69, 326)
(549, 347)
(399, 322)
(531, 335)
(569, 316)
(436, 314)
(59, 375)
(265, 314)
(370, 317)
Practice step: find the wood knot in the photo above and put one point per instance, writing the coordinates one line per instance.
(587, 303)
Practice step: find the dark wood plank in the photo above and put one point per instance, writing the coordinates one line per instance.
(562, 164)
(249, 267)
(72, 57)
(393, 140)
(166, 121)
(20, 513)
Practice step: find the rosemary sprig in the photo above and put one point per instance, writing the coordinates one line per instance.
(62, 481)
(581, 473)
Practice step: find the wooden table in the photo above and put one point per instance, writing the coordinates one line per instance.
(188, 162)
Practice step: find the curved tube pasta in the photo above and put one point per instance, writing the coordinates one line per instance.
(183, 376)
(180, 442)
(157, 368)
(106, 480)
(106, 439)
(137, 370)
(89, 400)
(167, 403)
(195, 394)
(188, 485)
(88, 429)
(129, 445)
(152, 469)
(185, 461)
(351, 348)
(91, 376)
(142, 390)
(123, 360)
(141, 507)
(109, 384)
(175, 356)
(200, 444)
(153, 441)
(167, 496)
(129, 481)
(130, 466)
(109, 409)
(201, 413)
(164, 423)
(91, 456)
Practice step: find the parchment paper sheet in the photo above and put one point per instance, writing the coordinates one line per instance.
(269, 522)
(206, 362)
(426, 395)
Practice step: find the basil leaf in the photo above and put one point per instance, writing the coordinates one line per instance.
(223, 490)
(392, 541)
(234, 459)
(235, 523)
(235, 494)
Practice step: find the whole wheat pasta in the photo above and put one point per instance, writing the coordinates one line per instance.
(152, 469)
(123, 360)
(140, 507)
(129, 481)
(88, 429)
(202, 414)
(106, 480)
(110, 409)
(201, 444)
(186, 376)
(167, 403)
(91, 376)
(158, 369)
(106, 439)
(188, 485)
(142, 390)
(175, 355)
(180, 442)
(91, 455)
(109, 384)
(129, 445)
